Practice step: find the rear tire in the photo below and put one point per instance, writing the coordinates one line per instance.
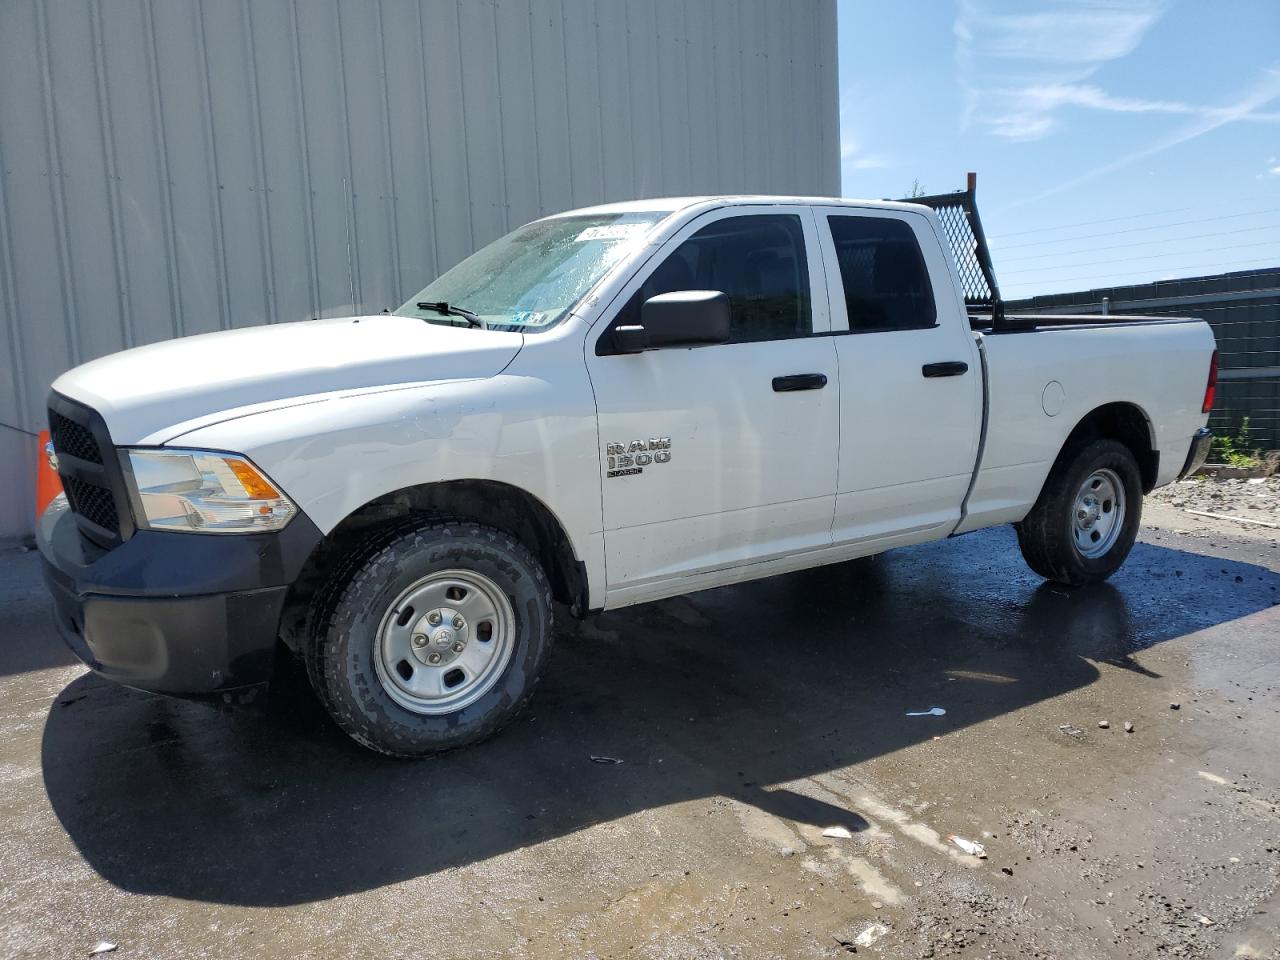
(431, 637)
(1086, 520)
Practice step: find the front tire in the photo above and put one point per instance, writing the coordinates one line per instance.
(1086, 520)
(432, 637)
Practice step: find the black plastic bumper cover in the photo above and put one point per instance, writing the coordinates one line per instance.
(192, 615)
(1198, 453)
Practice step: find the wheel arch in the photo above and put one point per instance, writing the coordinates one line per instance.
(1124, 422)
(508, 508)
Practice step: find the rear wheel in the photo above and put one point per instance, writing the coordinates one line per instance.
(432, 638)
(1086, 520)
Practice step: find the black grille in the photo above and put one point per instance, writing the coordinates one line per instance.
(73, 439)
(91, 473)
(95, 504)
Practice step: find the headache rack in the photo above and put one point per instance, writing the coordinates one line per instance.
(958, 213)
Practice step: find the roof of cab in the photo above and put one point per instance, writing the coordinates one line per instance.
(671, 205)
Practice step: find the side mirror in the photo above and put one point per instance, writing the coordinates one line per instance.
(685, 318)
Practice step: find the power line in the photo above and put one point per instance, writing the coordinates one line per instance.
(1149, 256)
(1139, 243)
(1089, 223)
(1158, 226)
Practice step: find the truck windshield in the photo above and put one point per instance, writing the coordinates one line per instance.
(531, 278)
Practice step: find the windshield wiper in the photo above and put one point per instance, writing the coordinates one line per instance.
(443, 307)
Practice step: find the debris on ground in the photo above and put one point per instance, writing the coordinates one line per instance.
(1070, 731)
(931, 712)
(971, 847)
(102, 946)
(595, 759)
(871, 934)
(1175, 706)
(840, 833)
(1237, 499)
(1128, 726)
(1104, 724)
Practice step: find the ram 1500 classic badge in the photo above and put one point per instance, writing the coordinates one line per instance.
(626, 459)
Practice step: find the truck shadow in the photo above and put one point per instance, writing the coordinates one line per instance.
(725, 693)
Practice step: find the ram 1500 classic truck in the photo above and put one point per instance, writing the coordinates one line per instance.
(604, 407)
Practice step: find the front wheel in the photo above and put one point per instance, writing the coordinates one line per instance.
(433, 638)
(1086, 520)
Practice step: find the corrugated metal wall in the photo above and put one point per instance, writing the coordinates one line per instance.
(174, 166)
(1244, 310)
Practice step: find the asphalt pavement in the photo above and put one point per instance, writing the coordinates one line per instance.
(774, 798)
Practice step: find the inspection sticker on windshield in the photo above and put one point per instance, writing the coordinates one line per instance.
(612, 231)
(531, 318)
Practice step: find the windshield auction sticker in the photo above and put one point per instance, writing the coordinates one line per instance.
(611, 231)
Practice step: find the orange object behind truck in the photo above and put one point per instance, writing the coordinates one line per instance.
(48, 483)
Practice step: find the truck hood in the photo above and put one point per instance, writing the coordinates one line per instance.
(154, 393)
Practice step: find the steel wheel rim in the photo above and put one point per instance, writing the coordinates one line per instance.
(1098, 513)
(444, 642)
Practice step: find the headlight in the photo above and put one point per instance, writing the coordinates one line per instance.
(196, 491)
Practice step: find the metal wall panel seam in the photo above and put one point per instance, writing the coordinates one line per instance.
(57, 195)
(109, 164)
(683, 40)
(466, 145)
(215, 180)
(433, 232)
(595, 53)
(573, 197)
(270, 306)
(304, 158)
(501, 149)
(353, 231)
(533, 96)
(177, 317)
(9, 277)
(390, 197)
(631, 113)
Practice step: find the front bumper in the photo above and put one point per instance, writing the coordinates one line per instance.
(1198, 453)
(193, 615)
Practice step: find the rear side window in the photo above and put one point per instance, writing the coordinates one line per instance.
(886, 283)
(758, 261)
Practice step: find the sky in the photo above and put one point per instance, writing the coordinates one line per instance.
(1115, 141)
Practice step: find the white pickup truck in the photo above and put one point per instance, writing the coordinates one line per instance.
(605, 407)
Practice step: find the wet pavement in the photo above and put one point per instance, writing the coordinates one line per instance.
(749, 720)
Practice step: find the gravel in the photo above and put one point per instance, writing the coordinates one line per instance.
(1257, 499)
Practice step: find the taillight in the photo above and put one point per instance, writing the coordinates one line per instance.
(1211, 387)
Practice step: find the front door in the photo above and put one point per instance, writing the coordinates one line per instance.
(719, 456)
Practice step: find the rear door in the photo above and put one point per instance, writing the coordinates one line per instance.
(710, 457)
(910, 381)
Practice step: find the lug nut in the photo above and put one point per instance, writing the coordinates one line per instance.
(457, 648)
(433, 617)
(458, 622)
(419, 639)
(433, 658)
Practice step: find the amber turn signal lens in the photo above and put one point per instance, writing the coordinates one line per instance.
(255, 485)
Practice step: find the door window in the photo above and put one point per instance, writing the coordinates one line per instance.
(758, 261)
(886, 283)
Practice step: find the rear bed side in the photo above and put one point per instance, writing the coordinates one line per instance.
(1043, 383)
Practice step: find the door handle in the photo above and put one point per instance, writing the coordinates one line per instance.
(948, 368)
(799, 381)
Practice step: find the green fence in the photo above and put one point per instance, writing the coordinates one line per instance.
(1243, 309)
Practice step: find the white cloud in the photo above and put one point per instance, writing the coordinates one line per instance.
(1018, 70)
(1031, 112)
(852, 155)
(1264, 91)
(1021, 72)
